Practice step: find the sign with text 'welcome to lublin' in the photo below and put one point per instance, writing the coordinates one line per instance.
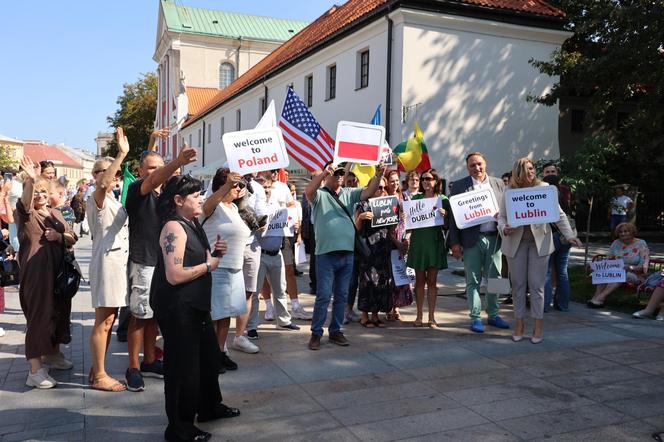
(608, 271)
(255, 150)
(532, 205)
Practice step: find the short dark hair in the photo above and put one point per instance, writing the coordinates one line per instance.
(46, 163)
(507, 175)
(182, 185)
(549, 164)
(220, 178)
(438, 181)
(472, 154)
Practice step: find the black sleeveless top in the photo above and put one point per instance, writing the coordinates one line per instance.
(164, 297)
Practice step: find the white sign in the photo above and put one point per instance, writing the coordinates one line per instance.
(423, 213)
(532, 205)
(281, 223)
(386, 156)
(403, 275)
(300, 254)
(358, 143)
(608, 271)
(474, 207)
(255, 150)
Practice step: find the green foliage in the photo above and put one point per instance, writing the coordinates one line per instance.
(6, 158)
(622, 300)
(616, 60)
(136, 113)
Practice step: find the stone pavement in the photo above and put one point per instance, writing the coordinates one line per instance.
(596, 376)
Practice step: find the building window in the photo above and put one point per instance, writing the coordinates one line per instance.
(223, 127)
(362, 69)
(199, 137)
(209, 137)
(226, 74)
(238, 119)
(577, 117)
(190, 144)
(331, 82)
(309, 89)
(262, 107)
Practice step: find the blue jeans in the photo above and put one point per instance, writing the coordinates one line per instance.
(560, 257)
(333, 271)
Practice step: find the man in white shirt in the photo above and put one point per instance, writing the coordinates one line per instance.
(620, 205)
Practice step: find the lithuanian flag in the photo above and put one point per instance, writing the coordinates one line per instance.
(413, 154)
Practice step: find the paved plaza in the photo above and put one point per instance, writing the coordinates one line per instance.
(596, 376)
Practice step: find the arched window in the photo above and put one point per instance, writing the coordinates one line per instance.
(226, 74)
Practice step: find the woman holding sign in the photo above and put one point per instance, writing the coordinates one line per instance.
(375, 272)
(428, 254)
(527, 248)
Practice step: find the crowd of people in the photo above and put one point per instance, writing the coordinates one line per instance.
(195, 257)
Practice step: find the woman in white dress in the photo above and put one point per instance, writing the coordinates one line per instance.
(108, 266)
(221, 219)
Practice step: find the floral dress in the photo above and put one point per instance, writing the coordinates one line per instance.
(402, 295)
(634, 254)
(375, 294)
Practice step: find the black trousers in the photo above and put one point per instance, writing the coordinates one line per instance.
(191, 367)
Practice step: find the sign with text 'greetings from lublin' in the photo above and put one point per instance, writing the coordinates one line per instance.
(532, 205)
(255, 150)
(474, 207)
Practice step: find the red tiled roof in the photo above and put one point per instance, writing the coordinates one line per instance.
(335, 20)
(200, 98)
(44, 152)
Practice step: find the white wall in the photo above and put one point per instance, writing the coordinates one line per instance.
(472, 78)
(349, 104)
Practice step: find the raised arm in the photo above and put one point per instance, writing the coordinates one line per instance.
(372, 187)
(31, 172)
(214, 199)
(316, 181)
(173, 240)
(109, 174)
(159, 133)
(8, 215)
(159, 176)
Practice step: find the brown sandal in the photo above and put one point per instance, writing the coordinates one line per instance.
(107, 383)
(367, 324)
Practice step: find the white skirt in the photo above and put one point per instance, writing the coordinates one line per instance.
(228, 294)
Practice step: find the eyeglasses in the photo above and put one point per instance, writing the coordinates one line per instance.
(381, 187)
(428, 178)
(239, 186)
(117, 173)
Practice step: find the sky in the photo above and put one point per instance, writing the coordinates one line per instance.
(64, 63)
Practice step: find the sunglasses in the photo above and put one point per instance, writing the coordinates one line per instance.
(381, 187)
(339, 172)
(239, 186)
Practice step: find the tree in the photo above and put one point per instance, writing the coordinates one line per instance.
(7, 159)
(615, 59)
(136, 113)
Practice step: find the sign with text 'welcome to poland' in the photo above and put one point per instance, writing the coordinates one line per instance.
(532, 205)
(255, 150)
(358, 143)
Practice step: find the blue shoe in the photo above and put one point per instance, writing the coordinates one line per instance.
(477, 326)
(499, 322)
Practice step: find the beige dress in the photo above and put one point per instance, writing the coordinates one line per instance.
(110, 252)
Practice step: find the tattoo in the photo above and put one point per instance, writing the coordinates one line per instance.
(177, 261)
(168, 245)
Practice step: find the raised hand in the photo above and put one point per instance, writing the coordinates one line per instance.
(31, 169)
(161, 133)
(187, 155)
(330, 169)
(123, 143)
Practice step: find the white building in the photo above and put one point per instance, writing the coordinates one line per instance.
(102, 140)
(460, 68)
(201, 51)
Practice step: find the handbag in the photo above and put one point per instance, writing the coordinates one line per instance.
(68, 276)
(9, 272)
(498, 285)
(361, 248)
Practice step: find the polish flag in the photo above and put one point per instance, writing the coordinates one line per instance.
(358, 142)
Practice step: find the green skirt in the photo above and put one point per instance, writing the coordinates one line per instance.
(427, 249)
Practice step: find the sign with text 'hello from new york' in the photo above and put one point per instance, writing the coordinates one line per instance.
(256, 150)
(474, 207)
(532, 205)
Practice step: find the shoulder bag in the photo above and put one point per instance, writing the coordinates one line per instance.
(67, 276)
(361, 248)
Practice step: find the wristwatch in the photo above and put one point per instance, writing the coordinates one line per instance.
(209, 267)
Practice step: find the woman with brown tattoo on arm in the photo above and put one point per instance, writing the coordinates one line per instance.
(180, 297)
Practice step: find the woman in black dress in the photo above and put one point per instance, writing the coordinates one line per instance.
(180, 298)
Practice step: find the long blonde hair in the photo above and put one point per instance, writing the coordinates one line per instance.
(520, 174)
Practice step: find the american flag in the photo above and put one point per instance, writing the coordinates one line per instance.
(306, 141)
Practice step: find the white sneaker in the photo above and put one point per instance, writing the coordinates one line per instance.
(269, 312)
(2, 332)
(243, 343)
(57, 361)
(41, 379)
(659, 317)
(641, 314)
(301, 313)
